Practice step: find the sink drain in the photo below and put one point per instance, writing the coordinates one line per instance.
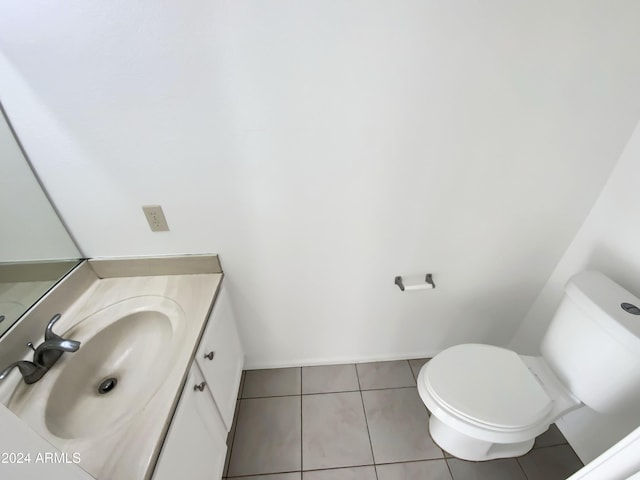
(107, 385)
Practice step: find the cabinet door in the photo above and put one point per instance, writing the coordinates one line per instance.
(195, 447)
(220, 357)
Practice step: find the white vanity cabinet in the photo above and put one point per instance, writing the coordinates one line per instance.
(195, 446)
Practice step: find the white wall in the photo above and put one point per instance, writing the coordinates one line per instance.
(609, 241)
(323, 147)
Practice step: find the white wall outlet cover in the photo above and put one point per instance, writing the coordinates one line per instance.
(155, 217)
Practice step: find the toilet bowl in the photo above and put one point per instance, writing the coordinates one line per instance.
(488, 402)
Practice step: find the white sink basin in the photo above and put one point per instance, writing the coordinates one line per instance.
(133, 342)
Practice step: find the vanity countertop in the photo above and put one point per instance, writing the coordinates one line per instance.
(125, 449)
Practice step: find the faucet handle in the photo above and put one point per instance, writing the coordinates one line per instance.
(48, 333)
(31, 346)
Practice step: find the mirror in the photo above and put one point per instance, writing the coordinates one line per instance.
(35, 248)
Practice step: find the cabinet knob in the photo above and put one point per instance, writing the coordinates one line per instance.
(209, 355)
(200, 386)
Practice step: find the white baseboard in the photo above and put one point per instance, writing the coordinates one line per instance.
(259, 364)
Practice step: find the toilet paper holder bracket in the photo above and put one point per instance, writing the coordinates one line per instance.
(428, 283)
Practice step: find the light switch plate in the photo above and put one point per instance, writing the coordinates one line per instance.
(155, 217)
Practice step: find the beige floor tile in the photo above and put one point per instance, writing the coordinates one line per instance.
(267, 437)
(416, 365)
(502, 469)
(398, 425)
(431, 470)
(385, 375)
(550, 463)
(330, 379)
(356, 473)
(334, 431)
(271, 382)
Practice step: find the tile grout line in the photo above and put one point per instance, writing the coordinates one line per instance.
(344, 467)
(419, 460)
(233, 437)
(284, 472)
(366, 421)
(374, 464)
(254, 475)
(524, 472)
(235, 430)
(446, 462)
(550, 446)
(327, 393)
(413, 374)
(415, 377)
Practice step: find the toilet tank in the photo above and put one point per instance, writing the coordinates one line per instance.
(593, 343)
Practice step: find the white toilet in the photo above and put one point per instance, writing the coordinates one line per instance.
(489, 402)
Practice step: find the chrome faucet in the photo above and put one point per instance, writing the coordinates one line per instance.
(49, 351)
(44, 356)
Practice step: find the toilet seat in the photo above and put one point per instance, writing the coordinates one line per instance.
(487, 387)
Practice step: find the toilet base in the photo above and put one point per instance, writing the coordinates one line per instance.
(468, 448)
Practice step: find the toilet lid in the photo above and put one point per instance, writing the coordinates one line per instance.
(487, 385)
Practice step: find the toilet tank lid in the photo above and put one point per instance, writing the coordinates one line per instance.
(487, 385)
(602, 299)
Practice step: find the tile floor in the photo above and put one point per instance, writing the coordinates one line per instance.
(360, 422)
